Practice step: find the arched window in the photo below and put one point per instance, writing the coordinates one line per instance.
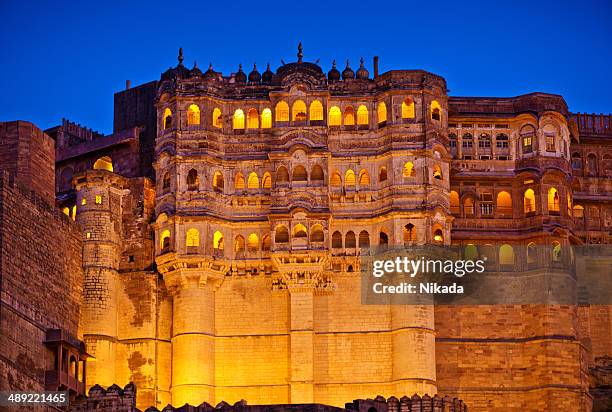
(253, 181)
(578, 211)
(316, 110)
(407, 109)
(164, 240)
(337, 240)
(349, 116)
(382, 175)
(166, 181)
(409, 170)
(436, 110)
(266, 181)
(265, 243)
(193, 115)
(383, 240)
(281, 112)
(470, 252)
(192, 238)
(468, 207)
(437, 172)
(298, 111)
(239, 181)
(364, 178)
(553, 200)
(193, 181)
(454, 202)
(591, 165)
(531, 253)
(253, 242)
(576, 161)
(299, 174)
(316, 233)
(266, 119)
(217, 118)
(282, 175)
(167, 119)
(364, 240)
(350, 242)
(252, 119)
(239, 244)
(504, 202)
(335, 116)
(381, 111)
(527, 137)
(336, 179)
(556, 251)
(409, 233)
(506, 255)
(363, 117)
(316, 173)
(238, 119)
(349, 179)
(281, 234)
(529, 201)
(438, 235)
(103, 163)
(218, 241)
(299, 231)
(218, 183)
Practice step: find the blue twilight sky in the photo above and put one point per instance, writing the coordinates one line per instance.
(66, 59)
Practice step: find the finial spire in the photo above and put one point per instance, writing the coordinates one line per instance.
(361, 62)
(334, 64)
(240, 67)
(347, 63)
(268, 67)
(210, 66)
(300, 55)
(195, 64)
(180, 56)
(254, 67)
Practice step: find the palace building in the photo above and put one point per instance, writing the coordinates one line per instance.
(223, 220)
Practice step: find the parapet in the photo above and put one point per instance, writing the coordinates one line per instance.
(112, 399)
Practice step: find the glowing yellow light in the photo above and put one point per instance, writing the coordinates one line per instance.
(217, 118)
(407, 109)
(335, 116)
(349, 178)
(98, 199)
(253, 181)
(83, 202)
(282, 111)
(252, 119)
(218, 240)
(192, 237)
(238, 119)
(193, 115)
(266, 119)
(104, 163)
(409, 170)
(382, 112)
(298, 111)
(362, 115)
(316, 110)
(529, 201)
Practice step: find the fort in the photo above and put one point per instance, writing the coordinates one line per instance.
(209, 249)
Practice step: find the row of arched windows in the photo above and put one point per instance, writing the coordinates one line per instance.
(506, 256)
(299, 112)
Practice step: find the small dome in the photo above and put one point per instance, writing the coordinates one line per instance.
(334, 74)
(195, 72)
(348, 73)
(254, 76)
(362, 72)
(267, 75)
(180, 71)
(240, 76)
(210, 73)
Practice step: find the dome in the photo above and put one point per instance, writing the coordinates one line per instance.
(267, 75)
(334, 74)
(362, 72)
(240, 76)
(195, 72)
(348, 73)
(254, 76)
(210, 73)
(180, 71)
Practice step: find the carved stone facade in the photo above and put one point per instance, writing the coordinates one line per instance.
(228, 267)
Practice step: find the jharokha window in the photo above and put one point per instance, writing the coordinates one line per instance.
(362, 115)
(407, 109)
(316, 111)
(167, 119)
(335, 116)
(436, 111)
(193, 115)
(217, 118)
(298, 111)
(238, 119)
(382, 113)
(282, 111)
(266, 119)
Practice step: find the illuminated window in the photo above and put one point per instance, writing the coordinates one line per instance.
(238, 119)
(409, 233)
(282, 175)
(436, 110)
(253, 182)
(281, 234)
(550, 142)
(282, 111)
(88, 235)
(83, 202)
(336, 179)
(335, 116)
(167, 119)
(506, 255)
(299, 231)
(164, 240)
(266, 181)
(66, 211)
(364, 239)
(409, 170)
(299, 174)
(529, 201)
(298, 111)
(437, 172)
(350, 242)
(381, 111)
(316, 233)
(337, 240)
(73, 212)
(438, 235)
(553, 200)
(239, 244)
(468, 207)
(578, 211)
(349, 179)
(349, 116)
(193, 181)
(252, 119)
(407, 109)
(454, 202)
(382, 175)
(192, 238)
(217, 118)
(364, 178)
(193, 115)
(239, 181)
(98, 200)
(266, 119)
(316, 110)
(556, 251)
(504, 202)
(103, 163)
(362, 115)
(218, 183)
(316, 173)
(527, 135)
(218, 240)
(253, 242)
